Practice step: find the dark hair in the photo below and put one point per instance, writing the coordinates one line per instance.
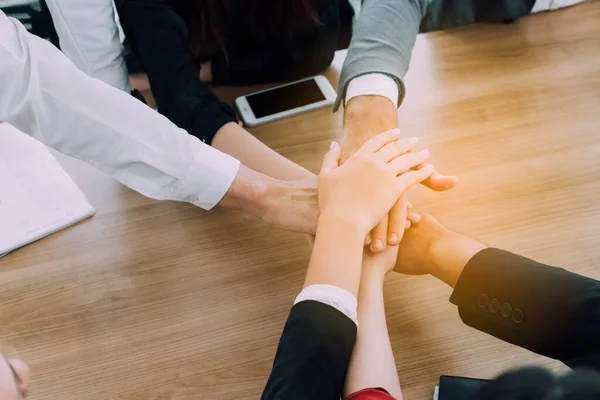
(535, 383)
(207, 20)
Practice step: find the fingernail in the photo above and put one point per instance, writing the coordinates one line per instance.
(378, 245)
(409, 205)
(407, 224)
(368, 240)
(393, 238)
(413, 140)
(396, 131)
(332, 145)
(425, 153)
(415, 217)
(429, 167)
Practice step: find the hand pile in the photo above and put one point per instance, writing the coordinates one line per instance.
(370, 183)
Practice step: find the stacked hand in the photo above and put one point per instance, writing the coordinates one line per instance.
(364, 116)
(364, 189)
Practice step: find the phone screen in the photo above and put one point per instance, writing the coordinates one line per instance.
(285, 98)
(458, 387)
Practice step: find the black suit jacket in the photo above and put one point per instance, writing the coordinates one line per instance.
(313, 354)
(548, 310)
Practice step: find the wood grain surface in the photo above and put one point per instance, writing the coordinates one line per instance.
(159, 300)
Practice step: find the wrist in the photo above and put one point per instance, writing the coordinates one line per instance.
(342, 220)
(249, 192)
(364, 117)
(373, 277)
(450, 253)
(376, 110)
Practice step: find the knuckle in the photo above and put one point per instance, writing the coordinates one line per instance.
(403, 145)
(382, 167)
(415, 176)
(416, 158)
(376, 140)
(400, 148)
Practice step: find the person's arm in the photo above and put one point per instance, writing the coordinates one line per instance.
(371, 85)
(315, 347)
(382, 41)
(45, 95)
(89, 36)
(159, 36)
(545, 309)
(372, 366)
(242, 145)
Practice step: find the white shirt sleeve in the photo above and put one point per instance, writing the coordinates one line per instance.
(45, 95)
(547, 5)
(89, 36)
(334, 296)
(373, 84)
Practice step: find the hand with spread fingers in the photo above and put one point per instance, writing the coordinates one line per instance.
(371, 181)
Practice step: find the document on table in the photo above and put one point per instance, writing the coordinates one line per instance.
(37, 197)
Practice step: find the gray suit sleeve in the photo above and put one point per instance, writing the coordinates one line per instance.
(382, 41)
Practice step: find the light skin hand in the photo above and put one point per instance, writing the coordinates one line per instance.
(255, 155)
(352, 199)
(376, 175)
(365, 116)
(429, 247)
(14, 379)
(287, 205)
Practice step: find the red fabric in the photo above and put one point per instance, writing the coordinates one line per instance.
(371, 394)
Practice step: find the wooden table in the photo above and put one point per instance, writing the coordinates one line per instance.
(152, 300)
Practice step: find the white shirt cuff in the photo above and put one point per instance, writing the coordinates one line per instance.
(334, 296)
(373, 84)
(209, 178)
(547, 5)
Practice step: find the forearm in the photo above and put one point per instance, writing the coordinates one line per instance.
(545, 309)
(45, 95)
(337, 254)
(372, 364)
(312, 355)
(240, 144)
(365, 117)
(160, 38)
(382, 41)
(248, 192)
(450, 254)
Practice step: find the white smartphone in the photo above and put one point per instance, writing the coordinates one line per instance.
(285, 101)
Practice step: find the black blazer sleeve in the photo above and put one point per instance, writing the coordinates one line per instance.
(545, 309)
(313, 354)
(159, 36)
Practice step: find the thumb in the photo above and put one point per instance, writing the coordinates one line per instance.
(332, 159)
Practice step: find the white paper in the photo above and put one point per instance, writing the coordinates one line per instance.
(37, 197)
